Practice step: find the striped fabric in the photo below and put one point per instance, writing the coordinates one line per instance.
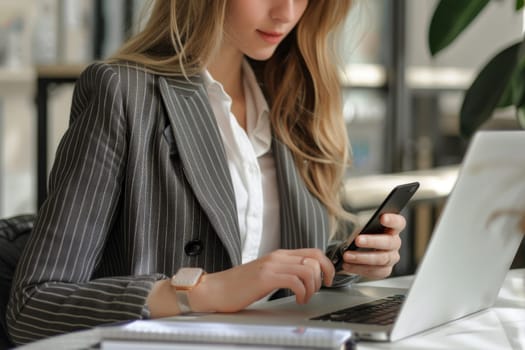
(139, 188)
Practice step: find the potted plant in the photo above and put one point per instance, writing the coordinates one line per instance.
(500, 83)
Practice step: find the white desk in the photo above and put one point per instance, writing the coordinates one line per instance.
(501, 327)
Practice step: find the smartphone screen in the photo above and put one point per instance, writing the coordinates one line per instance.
(396, 200)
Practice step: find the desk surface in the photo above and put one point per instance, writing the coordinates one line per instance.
(501, 327)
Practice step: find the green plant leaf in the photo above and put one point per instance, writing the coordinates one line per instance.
(521, 117)
(519, 4)
(518, 82)
(506, 99)
(514, 93)
(449, 19)
(486, 91)
(518, 87)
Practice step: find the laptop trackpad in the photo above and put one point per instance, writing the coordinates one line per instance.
(326, 300)
(287, 311)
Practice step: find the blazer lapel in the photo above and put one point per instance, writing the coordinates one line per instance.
(203, 157)
(304, 221)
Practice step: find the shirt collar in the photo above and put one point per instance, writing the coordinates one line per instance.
(259, 130)
(258, 112)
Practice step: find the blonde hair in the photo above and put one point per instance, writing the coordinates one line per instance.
(172, 42)
(301, 80)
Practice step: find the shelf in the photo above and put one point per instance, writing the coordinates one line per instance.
(367, 192)
(29, 74)
(422, 78)
(364, 75)
(439, 78)
(60, 71)
(17, 75)
(17, 81)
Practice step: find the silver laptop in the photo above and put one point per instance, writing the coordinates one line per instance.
(471, 249)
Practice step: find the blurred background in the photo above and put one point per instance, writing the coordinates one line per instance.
(401, 105)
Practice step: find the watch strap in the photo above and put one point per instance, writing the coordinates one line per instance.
(183, 281)
(182, 301)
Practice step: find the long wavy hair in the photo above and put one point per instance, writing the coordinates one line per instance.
(301, 80)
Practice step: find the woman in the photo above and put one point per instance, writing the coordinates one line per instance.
(213, 139)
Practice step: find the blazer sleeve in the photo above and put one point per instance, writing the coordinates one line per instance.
(52, 289)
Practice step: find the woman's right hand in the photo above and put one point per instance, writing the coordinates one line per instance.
(302, 270)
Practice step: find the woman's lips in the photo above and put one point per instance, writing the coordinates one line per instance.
(271, 37)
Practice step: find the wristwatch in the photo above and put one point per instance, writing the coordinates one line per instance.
(183, 281)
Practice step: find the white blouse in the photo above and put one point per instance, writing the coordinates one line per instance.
(251, 164)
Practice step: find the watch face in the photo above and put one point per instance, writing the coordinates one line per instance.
(187, 277)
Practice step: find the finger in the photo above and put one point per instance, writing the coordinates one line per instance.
(286, 257)
(294, 284)
(305, 273)
(316, 271)
(298, 262)
(372, 272)
(278, 270)
(395, 222)
(372, 258)
(312, 253)
(308, 276)
(327, 268)
(379, 241)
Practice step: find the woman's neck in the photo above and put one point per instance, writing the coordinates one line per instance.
(227, 69)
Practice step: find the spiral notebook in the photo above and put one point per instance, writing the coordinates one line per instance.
(160, 334)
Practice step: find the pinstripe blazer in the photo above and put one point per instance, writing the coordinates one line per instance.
(139, 188)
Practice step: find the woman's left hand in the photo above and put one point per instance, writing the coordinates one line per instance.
(384, 250)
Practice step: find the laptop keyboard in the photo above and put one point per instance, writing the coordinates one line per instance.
(381, 311)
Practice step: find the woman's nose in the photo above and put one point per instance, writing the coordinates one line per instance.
(283, 11)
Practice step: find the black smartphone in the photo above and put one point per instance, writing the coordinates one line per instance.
(396, 200)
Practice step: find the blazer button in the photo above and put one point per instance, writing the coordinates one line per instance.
(193, 248)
